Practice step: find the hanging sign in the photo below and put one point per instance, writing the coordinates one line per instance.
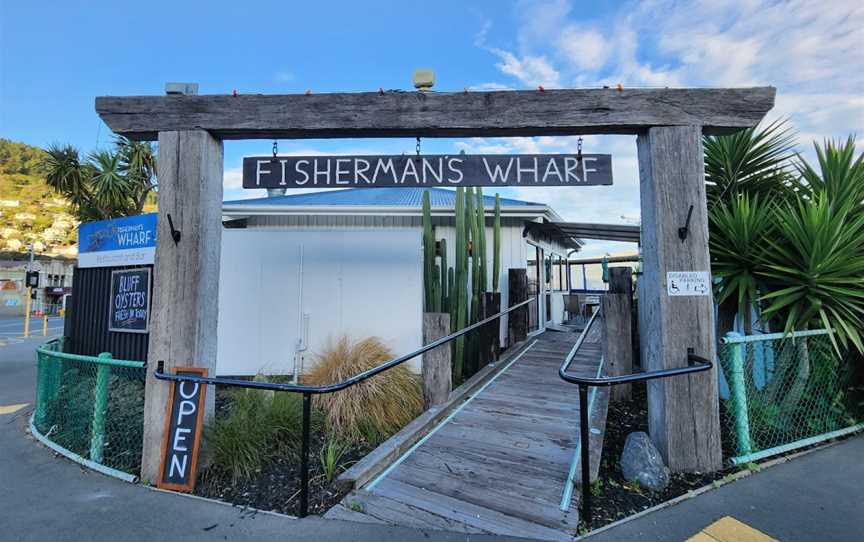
(427, 170)
(688, 283)
(130, 300)
(130, 240)
(182, 436)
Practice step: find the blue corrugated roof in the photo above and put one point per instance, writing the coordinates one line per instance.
(395, 197)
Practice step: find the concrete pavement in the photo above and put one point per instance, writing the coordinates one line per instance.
(818, 496)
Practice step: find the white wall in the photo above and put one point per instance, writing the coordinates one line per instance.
(360, 282)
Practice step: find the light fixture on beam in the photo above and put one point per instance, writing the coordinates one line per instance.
(423, 79)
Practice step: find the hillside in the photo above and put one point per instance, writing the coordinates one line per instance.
(30, 212)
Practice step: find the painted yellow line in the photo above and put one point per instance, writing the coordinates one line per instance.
(10, 409)
(729, 529)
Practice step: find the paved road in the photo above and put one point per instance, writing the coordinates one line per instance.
(43, 497)
(12, 327)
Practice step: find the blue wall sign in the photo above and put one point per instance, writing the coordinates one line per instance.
(129, 240)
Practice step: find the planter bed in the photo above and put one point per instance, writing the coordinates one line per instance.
(616, 498)
(276, 485)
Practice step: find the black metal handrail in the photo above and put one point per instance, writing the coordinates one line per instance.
(695, 364)
(309, 391)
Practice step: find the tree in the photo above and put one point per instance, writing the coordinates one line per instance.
(108, 183)
(814, 265)
(745, 173)
(752, 161)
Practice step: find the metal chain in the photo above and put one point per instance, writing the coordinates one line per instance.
(418, 145)
(579, 149)
(275, 148)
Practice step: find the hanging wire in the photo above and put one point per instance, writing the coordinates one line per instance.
(275, 149)
(418, 145)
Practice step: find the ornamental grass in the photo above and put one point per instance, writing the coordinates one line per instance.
(371, 410)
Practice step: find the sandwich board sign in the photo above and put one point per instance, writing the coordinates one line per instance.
(427, 170)
(182, 436)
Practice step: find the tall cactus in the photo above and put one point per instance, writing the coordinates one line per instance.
(428, 253)
(496, 245)
(436, 289)
(471, 216)
(459, 299)
(451, 284)
(481, 231)
(445, 286)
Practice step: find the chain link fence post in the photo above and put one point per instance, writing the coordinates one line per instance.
(100, 406)
(739, 392)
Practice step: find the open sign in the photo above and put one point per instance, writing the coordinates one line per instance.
(182, 436)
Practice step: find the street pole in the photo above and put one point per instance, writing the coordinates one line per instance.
(27, 313)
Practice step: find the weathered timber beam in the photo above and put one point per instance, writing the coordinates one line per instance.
(434, 114)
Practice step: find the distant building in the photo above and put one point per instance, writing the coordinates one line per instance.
(55, 283)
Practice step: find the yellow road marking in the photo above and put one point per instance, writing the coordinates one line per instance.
(729, 529)
(9, 409)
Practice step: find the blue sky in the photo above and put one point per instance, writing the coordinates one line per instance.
(56, 57)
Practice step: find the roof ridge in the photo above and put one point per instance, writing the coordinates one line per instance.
(409, 196)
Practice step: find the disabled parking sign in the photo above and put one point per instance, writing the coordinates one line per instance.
(688, 283)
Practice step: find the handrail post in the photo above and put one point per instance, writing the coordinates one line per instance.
(585, 449)
(304, 457)
(100, 407)
(739, 393)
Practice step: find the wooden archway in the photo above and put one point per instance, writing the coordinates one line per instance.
(669, 123)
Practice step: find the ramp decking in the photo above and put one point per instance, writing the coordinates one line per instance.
(500, 462)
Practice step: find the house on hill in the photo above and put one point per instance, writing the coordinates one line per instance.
(299, 270)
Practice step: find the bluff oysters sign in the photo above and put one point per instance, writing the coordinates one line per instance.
(427, 170)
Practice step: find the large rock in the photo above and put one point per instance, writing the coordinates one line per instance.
(641, 462)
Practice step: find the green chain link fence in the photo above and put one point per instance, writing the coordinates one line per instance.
(784, 392)
(91, 406)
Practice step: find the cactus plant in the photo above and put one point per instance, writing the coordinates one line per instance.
(481, 238)
(460, 287)
(451, 282)
(428, 253)
(445, 285)
(436, 289)
(496, 245)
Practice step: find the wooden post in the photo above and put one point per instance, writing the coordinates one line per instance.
(436, 370)
(186, 274)
(616, 307)
(517, 293)
(683, 416)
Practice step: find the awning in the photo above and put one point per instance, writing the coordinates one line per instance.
(603, 232)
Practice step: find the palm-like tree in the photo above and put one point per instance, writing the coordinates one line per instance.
(753, 161)
(745, 174)
(108, 183)
(739, 230)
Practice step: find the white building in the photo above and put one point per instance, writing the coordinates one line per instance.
(301, 269)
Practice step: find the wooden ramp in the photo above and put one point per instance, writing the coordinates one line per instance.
(500, 462)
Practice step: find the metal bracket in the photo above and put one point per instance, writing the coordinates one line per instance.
(175, 233)
(682, 231)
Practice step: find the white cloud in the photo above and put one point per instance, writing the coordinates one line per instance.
(813, 52)
(530, 70)
(583, 49)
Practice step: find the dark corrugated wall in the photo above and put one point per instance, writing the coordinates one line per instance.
(86, 326)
